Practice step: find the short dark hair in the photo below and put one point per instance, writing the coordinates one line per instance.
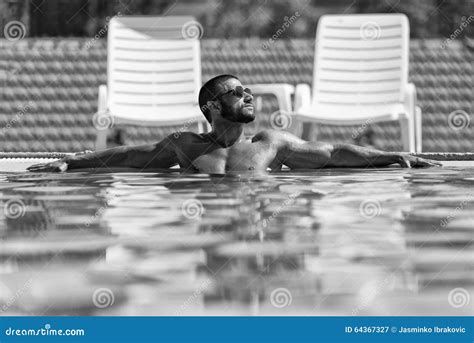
(209, 91)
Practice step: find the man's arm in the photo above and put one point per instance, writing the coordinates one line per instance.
(160, 155)
(297, 153)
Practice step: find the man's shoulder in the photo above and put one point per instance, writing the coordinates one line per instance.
(274, 136)
(186, 137)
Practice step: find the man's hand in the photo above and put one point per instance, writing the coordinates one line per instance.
(409, 161)
(55, 166)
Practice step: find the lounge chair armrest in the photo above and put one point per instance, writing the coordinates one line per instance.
(282, 91)
(302, 96)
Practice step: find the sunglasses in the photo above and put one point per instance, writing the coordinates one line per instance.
(237, 91)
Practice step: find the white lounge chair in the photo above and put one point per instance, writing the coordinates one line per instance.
(283, 93)
(360, 75)
(153, 74)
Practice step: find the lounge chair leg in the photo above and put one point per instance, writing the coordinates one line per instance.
(306, 133)
(418, 130)
(101, 140)
(407, 135)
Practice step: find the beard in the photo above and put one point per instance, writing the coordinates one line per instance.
(241, 115)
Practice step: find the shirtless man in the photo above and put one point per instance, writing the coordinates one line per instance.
(228, 107)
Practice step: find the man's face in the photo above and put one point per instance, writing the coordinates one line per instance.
(234, 108)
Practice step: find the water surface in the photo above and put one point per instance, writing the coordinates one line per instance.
(334, 242)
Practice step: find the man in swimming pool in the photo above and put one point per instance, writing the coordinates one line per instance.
(228, 107)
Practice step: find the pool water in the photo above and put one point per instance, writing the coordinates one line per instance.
(335, 242)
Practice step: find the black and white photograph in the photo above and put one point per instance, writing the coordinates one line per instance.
(237, 158)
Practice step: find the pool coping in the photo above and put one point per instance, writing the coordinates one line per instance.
(19, 161)
(438, 156)
(446, 156)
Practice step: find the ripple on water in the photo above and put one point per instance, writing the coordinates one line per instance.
(54, 189)
(243, 249)
(64, 245)
(305, 232)
(60, 291)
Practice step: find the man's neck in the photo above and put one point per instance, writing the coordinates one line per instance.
(228, 135)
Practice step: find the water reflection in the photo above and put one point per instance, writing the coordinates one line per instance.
(349, 242)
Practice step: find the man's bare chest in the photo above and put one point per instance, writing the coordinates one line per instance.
(239, 157)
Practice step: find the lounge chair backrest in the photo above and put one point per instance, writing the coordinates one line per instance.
(360, 60)
(154, 69)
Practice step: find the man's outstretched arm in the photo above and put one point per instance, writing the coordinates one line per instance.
(297, 153)
(160, 155)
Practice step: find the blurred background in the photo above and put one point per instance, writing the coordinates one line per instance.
(49, 77)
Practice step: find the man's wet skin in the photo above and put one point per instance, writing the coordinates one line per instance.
(207, 156)
(226, 149)
(229, 151)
